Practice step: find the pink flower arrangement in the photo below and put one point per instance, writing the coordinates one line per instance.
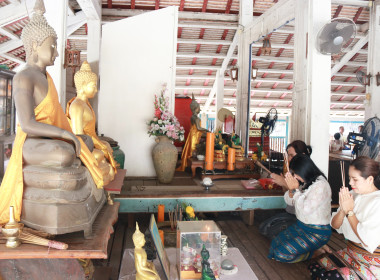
(164, 122)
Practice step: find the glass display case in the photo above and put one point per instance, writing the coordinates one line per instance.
(7, 118)
(191, 236)
(7, 106)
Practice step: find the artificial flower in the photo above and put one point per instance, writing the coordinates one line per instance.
(164, 123)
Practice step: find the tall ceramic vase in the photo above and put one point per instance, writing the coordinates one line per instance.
(165, 157)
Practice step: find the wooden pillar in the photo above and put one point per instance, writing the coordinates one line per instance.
(312, 79)
(56, 15)
(219, 96)
(372, 106)
(244, 66)
(93, 54)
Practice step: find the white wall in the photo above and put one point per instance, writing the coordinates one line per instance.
(137, 57)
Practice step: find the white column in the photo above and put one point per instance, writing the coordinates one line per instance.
(93, 54)
(312, 79)
(372, 106)
(219, 97)
(244, 65)
(56, 15)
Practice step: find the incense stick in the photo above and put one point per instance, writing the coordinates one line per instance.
(262, 166)
(286, 161)
(342, 173)
(26, 237)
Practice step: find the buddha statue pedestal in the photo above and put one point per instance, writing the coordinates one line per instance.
(60, 201)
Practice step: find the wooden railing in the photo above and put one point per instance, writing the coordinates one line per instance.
(278, 144)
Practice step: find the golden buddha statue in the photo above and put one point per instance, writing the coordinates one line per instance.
(82, 120)
(145, 270)
(195, 134)
(45, 146)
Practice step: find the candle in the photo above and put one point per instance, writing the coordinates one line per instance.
(161, 213)
(231, 159)
(210, 140)
(161, 232)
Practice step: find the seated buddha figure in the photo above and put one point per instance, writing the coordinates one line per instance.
(82, 120)
(45, 146)
(195, 134)
(145, 270)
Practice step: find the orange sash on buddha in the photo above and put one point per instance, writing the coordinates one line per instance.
(190, 145)
(49, 111)
(89, 129)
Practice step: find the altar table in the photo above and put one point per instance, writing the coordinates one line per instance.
(223, 196)
(128, 271)
(246, 164)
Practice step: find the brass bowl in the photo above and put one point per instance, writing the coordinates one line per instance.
(12, 234)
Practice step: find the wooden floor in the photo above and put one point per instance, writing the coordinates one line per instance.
(250, 242)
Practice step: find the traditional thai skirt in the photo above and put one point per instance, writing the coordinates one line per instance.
(298, 242)
(353, 262)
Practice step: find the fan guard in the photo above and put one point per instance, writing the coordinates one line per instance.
(371, 135)
(335, 36)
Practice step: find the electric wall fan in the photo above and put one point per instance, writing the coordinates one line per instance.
(368, 140)
(269, 122)
(335, 36)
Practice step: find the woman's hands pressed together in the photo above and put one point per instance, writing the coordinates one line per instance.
(291, 181)
(346, 200)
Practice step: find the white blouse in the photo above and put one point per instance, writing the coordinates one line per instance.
(367, 211)
(313, 205)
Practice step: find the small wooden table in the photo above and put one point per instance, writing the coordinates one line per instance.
(246, 164)
(128, 270)
(30, 261)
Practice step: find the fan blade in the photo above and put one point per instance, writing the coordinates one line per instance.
(346, 32)
(329, 47)
(328, 30)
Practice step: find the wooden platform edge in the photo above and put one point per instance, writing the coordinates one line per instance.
(89, 249)
(116, 185)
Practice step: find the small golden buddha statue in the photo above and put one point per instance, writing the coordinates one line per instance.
(82, 120)
(145, 270)
(195, 134)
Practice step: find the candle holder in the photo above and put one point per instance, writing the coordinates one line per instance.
(12, 230)
(207, 186)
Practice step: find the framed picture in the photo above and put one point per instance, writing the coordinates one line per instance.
(162, 256)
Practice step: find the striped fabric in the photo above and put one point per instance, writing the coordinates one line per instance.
(351, 263)
(298, 242)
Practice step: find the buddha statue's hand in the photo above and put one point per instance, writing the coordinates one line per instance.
(71, 137)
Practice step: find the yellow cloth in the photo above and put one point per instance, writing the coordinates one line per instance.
(89, 129)
(48, 111)
(190, 145)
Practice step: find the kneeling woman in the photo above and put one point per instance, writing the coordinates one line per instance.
(358, 220)
(310, 193)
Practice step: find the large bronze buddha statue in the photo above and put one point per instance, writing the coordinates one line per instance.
(194, 136)
(45, 181)
(82, 120)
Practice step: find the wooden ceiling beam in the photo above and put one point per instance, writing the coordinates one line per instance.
(9, 34)
(91, 8)
(13, 12)
(358, 3)
(13, 58)
(182, 15)
(223, 68)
